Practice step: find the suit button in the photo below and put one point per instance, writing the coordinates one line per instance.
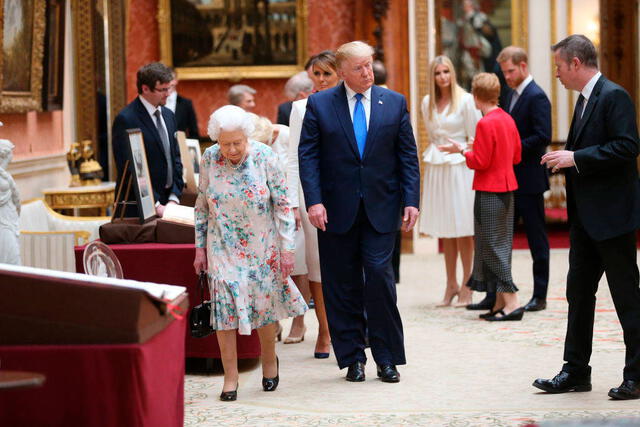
(361, 166)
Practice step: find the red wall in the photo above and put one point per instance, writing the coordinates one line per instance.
(33, 134)
(330, 23)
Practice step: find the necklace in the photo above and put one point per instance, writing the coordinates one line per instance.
(237, 165)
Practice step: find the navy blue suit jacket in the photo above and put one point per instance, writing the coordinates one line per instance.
(532, 114)
(135, 116)
(386, 179)
(603, 191)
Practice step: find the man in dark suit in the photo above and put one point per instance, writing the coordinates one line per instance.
(603, 203)
(360, 175)
(158, 126)
(531, 110)
(299, 86)
(186, 120)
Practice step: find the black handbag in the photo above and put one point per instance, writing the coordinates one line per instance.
(200, 315)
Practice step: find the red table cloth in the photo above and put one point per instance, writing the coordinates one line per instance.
(172, 264)
(99, 385)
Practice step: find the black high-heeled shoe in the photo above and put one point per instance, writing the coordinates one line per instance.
(229, 396)
(491, 313)
(270, 384)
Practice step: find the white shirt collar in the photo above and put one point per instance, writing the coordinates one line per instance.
(172, 101)
(588, 88)
(524, 84)
(150, 108)
(351, 93)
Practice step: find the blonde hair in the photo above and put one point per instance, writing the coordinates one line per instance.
(263, 129)
(486, 87)
(355, 49)
(434, 90)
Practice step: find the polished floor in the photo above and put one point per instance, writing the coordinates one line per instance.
(461, 371)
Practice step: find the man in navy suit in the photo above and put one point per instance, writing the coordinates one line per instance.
(603, 203)
(360, 175)
(158, 126)
(531, 110)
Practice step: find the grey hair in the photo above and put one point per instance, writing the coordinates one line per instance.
(299, 82)
(236, 93)
(577, 46)
(229, 118)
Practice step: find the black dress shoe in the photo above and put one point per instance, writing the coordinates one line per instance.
(388, 373)
(491, 313)
(501, 317)
(270, 384)
(629, 389)
(536, 304)
(229, 396)
(355, 373)
(485, 304)
(563, 383)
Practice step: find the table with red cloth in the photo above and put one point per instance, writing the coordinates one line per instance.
(99, 384)
(172, 264)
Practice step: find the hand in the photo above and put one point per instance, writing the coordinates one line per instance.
(160, 210)
(318, 216)
(298, 218)
(287, 262)
(452, 148)
(200, 262)
(410, 217)
(559, 159)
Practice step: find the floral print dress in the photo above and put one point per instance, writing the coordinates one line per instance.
(243, 219)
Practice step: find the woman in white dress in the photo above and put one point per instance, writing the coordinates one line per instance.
(324, 76)
(447, 200)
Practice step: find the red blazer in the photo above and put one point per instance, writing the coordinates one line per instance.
(495, 150)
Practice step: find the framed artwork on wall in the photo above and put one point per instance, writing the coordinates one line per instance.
(473, 32)
(233, 39)
(22, 25)
(141, 177)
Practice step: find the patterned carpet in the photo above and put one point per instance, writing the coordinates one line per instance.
(461, 371)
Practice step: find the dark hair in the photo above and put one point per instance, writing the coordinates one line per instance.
(151, 74)
(379, 72)
(325, 59)
(577, 46)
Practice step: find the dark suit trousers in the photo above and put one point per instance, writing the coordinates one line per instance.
(588, 259)
(530, 207)
(357, 276)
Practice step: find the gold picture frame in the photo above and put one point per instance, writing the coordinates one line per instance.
(23, 24)
(453, 22)
(233, 72)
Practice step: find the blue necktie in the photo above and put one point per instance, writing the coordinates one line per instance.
(360, 124)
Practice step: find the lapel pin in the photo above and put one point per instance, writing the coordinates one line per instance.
(379, 101)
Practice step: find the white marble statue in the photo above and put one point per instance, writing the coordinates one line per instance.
(9, 209)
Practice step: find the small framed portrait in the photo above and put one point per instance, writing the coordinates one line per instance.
(141, 178)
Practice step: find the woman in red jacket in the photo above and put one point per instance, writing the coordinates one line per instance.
(495, 150)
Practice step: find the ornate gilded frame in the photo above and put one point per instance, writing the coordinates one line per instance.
(233, 73)
(23, 101)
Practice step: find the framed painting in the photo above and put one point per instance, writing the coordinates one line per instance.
(22, 24)
(237, 39)
(141, 179)
(54, 56)
(473, 32)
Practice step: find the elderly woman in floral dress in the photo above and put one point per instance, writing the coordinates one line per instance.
(245, 242)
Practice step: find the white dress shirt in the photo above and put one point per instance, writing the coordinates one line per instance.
(172, 100)
(518, 91)
(151, 110)
(366, 102)
(587, 89)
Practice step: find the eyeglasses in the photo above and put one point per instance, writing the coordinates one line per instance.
(163, 90)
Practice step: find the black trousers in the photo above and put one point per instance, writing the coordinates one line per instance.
(530, 207)
(588, 259)
(356, 276)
